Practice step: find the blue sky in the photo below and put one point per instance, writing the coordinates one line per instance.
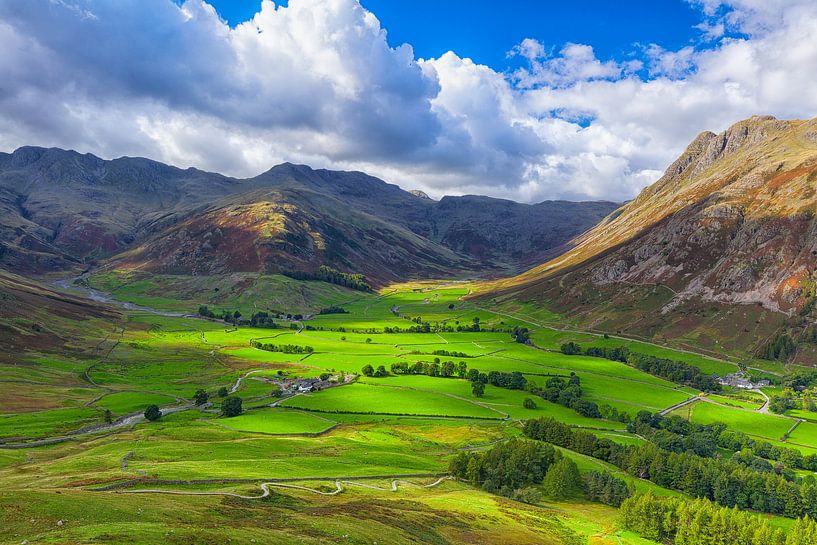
(486, 30)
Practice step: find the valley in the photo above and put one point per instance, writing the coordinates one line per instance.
(349, 440)
(285, 359)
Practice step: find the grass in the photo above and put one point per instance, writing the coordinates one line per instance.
(277, 422)
(365, 398)
(127, 402)
(376, 426)
(46, 423)
(765, 426)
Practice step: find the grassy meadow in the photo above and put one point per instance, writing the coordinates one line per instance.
(367, 428)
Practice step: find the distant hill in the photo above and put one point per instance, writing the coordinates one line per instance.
(62, 210)
(721, 249)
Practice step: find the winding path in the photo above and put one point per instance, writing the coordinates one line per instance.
(265, 489)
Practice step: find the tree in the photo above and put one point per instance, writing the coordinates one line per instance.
(153, 413)
(367, 370)
(521, 335)
(529, 403)
(201, 397)
(108, 416)
(231, 406)
(571, 349)
(478, 389)
(381, 371)
(223, 392)
(325, 376)
(562, 479)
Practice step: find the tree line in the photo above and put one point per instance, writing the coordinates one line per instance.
(725, 482)
(258, 319)
(324, 273)
(679, 521)
(285, 348)
(333, 309)
(673, 370)
(436, 368)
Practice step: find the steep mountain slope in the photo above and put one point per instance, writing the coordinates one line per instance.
(732, 221)
(61, 209)
(36, 318)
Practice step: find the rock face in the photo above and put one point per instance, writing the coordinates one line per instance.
(732, 221)
(60, 209)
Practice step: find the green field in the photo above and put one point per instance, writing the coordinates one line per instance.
(368, 427)
(363, 399)
(766, 426)
(278, 422)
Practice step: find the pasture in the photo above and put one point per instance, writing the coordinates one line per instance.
(372, 426)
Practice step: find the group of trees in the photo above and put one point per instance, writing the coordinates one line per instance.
(227, 316)
(508, 468)
(437, 327)
(451, 353)
(602, 487)
(755, 452)
(263, 319)
(726, 482)
(567, 392)
(436, 368)
(700, 522)
(780, 347)
(675, 434)
(799, 392)
(511, 381)
(285, 348)
(370, 371)
(333, 276)
(673, 370)
(333, 310)
(521, 335)
(258, 319)
(517, 467)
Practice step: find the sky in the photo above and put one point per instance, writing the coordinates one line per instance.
(525, 100)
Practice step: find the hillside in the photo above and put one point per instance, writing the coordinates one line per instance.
(62, 210)
(728, 231)
(37, 318)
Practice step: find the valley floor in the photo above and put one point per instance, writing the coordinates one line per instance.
(357, 456)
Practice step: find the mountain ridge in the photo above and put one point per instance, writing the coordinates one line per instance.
(731, 222)
(66, 210)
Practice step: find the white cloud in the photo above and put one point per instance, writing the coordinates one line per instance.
(317, 82)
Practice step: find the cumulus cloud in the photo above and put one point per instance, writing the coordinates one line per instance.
(317, 82)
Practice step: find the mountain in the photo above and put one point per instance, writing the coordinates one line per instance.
(62, 210)
(721, 249)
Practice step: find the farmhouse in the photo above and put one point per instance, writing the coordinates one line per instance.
(739, 380)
